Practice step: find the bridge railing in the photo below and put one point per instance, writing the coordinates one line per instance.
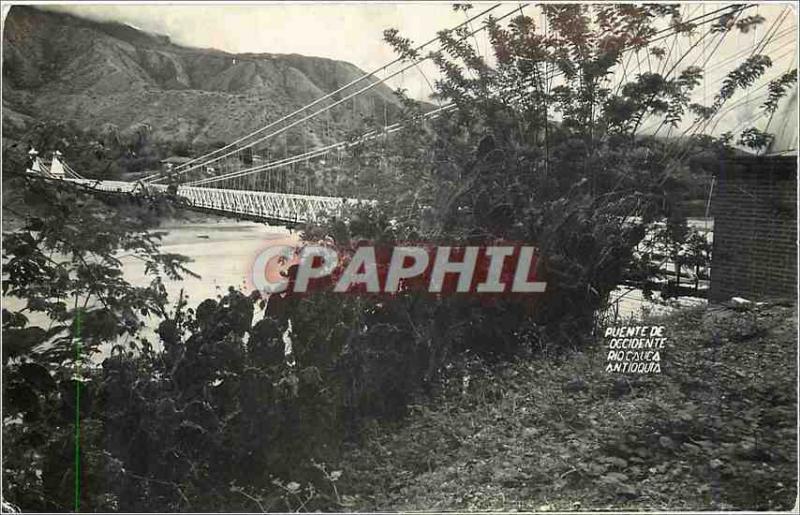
(113, 186)
(285, 207)
(262, 204)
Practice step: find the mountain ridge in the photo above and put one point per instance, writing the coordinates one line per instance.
(60, 66)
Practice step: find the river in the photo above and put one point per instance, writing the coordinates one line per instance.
(222, 254)
(223, 251)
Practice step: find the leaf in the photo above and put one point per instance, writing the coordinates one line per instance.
(18, 341)
(22, 398)
(13, 319)
(37, 376)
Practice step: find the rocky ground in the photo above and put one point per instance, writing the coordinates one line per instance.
(715, 430)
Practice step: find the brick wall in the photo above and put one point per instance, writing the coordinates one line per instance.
(754, 206)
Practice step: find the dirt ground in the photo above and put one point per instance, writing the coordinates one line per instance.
(715, 430)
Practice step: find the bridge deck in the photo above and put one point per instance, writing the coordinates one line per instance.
(283, 207)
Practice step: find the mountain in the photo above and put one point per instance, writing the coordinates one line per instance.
(59, 66)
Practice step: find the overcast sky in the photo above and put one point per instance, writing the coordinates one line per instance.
(353, 31)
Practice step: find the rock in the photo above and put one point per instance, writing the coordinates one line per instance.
(575, 385)
(666, 442)
(740, 304)
(622, 386)
(627, 492)
(530, 432)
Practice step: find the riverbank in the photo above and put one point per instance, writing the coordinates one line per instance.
(716, 430)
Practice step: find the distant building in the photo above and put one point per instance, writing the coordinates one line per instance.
(754, 206)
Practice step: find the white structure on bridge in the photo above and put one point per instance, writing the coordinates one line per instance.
(263, 205)
(56, 168)
(35, 165)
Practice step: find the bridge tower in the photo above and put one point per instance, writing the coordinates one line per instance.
(34, 163)
(56, 167)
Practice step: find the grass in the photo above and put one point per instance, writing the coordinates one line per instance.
(715, 430)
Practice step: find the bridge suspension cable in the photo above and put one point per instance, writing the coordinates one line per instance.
(369, 135)
(322, 110)
(397, 126)
(341, 145)
(701, 125)
(736, 57)
(294, 208)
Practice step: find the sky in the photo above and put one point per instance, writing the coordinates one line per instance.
(353, 32)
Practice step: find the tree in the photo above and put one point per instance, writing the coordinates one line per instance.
(148, 428)
(167, 429)
(544, 147)
(63, 264)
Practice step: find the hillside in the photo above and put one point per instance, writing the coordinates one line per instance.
(715, 431)
(59, 66)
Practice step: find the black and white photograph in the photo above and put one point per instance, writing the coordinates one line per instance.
(399, 257)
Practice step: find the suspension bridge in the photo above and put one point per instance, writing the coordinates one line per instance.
(240, 179)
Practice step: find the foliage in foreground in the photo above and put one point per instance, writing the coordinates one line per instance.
(546, 147)
(218, 419)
